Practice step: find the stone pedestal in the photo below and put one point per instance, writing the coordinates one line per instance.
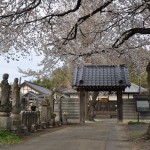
(45, 115)
(5, 122)
(4, 114)
(16, 120)
(5, 119)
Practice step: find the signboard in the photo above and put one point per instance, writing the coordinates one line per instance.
(142, 103)
(142, 106)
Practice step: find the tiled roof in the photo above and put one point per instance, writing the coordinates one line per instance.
(134, 89)
(37, 88)
(32, 95)
(69, 91)
(101, 77)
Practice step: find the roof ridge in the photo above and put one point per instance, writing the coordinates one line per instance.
(99, 65)
(36, 84)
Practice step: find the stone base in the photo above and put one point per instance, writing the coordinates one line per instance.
(16, 122)
(33, 128)
(5, 108)
(16, 119)
(23, 129)
(5, 123)
(4, 114)
(44, 125)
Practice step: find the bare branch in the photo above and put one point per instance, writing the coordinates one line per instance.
(129, 33)
(31, 6)
(47, 16)
(73, 32)
(69, 11)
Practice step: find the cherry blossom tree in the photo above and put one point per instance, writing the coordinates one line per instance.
(76, 31)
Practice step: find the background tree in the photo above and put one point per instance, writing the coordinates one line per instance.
(61, 77)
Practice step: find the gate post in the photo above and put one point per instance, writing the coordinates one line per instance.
(119, 106)
(82, 105)
(86, 104)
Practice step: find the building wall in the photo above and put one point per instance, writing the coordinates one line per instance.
(72, 108)
(26, 89)
(130, 114)
(69, 106)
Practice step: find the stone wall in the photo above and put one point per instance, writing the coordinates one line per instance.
(130, 114)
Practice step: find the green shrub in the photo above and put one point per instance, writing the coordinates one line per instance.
(7, 137)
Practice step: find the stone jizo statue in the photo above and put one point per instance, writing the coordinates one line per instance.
(5, 90)
(15, 96)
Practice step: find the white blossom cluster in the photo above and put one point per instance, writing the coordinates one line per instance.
(76, 32)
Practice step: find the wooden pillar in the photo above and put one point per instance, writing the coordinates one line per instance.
(119, 106)
(60, 110)
(82, 106)
(86, 104)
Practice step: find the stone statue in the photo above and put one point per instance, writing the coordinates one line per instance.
(51, 100)
(5, 90)
(45, 102)
(5, 108)
(15, 96)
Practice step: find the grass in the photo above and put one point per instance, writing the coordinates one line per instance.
(137, 129)
(135, 123)
(7, 137)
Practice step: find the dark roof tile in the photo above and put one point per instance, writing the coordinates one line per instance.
(103, 76)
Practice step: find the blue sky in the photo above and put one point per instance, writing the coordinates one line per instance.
(12, 67)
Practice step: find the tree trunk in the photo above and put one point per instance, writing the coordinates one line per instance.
(92, 106)
(148, 81)
(148, 131)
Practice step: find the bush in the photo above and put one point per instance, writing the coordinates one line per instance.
(7, 137)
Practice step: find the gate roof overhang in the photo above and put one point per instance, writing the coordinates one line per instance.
(101, 78)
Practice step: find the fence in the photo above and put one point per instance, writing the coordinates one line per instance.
(30, 119)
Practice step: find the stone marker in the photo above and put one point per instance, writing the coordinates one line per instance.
(16, 103)
(46, 112)
(5, 108)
